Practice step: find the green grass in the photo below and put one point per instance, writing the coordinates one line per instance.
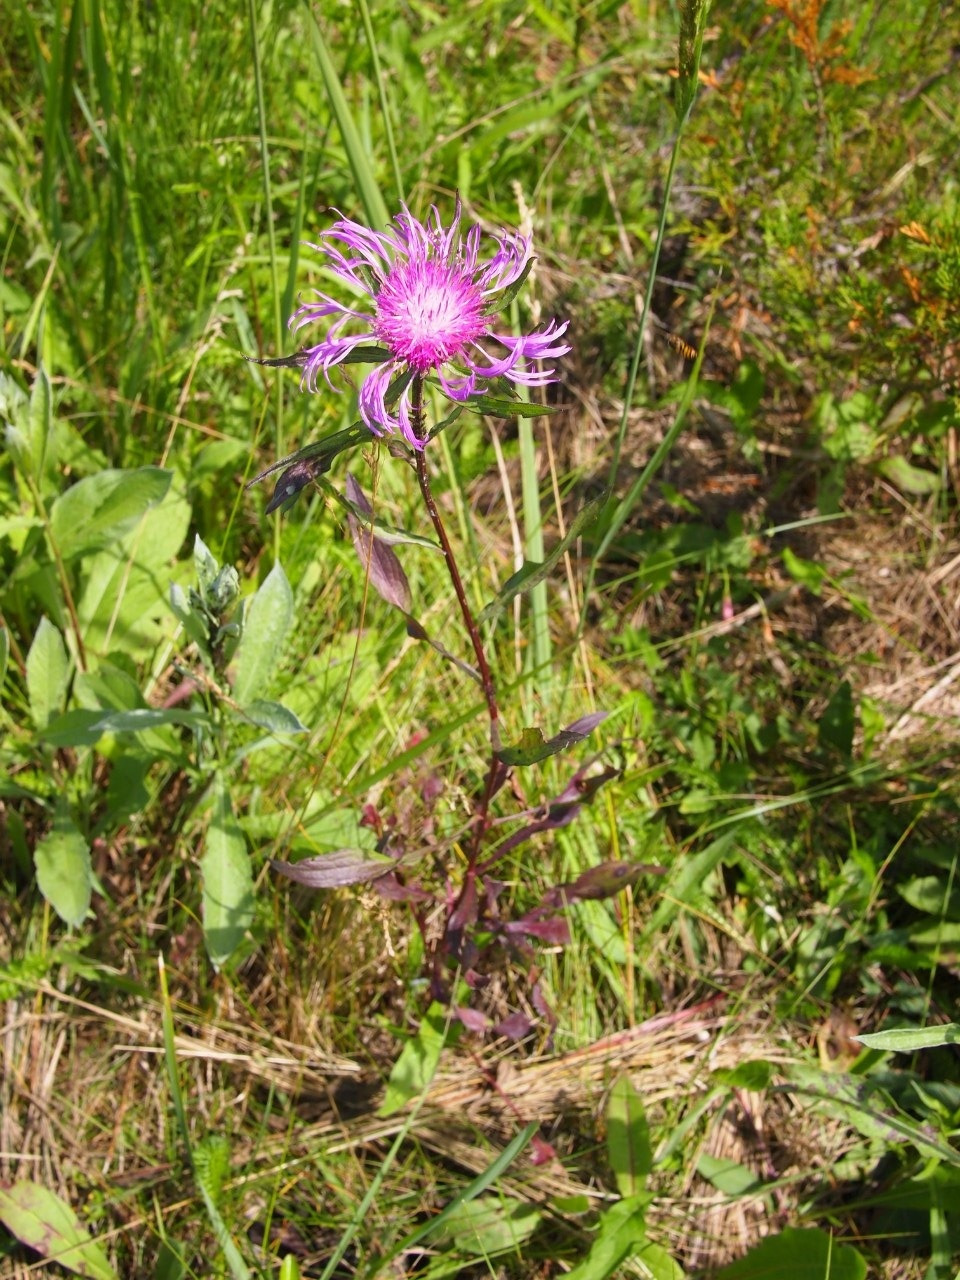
(765, 606)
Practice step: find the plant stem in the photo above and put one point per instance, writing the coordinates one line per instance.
(423, 477)
(494, 772)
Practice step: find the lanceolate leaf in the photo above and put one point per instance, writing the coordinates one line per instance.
(496, 408)
(531, 573)
(605, 880)
(101, 508)
(267, 621)
(386, 572)
(64, 872)
(533, 748)
(227, 882)
(48, 670)
(335, 870)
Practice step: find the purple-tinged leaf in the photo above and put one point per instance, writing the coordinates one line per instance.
(559, 812)
(465, 911)
(514, 1026)
(532, 748)
(391, 888)
(386, 572)
(539, 1002)
(472, 1019)
(605, 880)
(321, 451)
(552, 929)
(334, 870)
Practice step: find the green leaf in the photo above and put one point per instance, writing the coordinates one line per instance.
(274, 716)
(628, 1138)
(44, 1222)
(415, 1068)
(621, 1234)
(489, 1225)
(532, 747)
(494, 407)
(798, 1254)
(48, 669)
(4, 653)
(265, 627)
(41, 434)
(99, 509)
(837, 722)
(227, 882)
(530, 573)
(909, 479)
(807, 572)
(64, 871)
(755, 1074)
(728, 1176)
(910, 1039)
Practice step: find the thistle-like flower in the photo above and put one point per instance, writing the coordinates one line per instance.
(430, 307)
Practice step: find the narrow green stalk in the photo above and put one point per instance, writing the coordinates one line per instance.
(382, 95)
(533, 549)
(271, 235)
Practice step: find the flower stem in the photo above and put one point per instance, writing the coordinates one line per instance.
(423, 477)
(495, 771)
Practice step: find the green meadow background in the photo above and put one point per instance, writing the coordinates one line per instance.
(208, 1070)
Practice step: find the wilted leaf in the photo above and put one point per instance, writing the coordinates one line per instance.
(386, 572)
(605, 880)
(335, 870)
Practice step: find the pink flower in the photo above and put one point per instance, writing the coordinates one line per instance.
(430, 305)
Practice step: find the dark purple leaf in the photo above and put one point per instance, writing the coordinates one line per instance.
(551, 929)
(605, 880)
(386, 572)
(515, 1026)
(560, 812)
(465, 911)
(582, 787)
(321, 451)
(296, 478)
(472, 1019)
(532, 747)
(391, 888)
(334, 870)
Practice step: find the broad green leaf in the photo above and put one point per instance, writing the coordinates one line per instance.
(124, 599)
(807, 572)
(621, 1234)
(48, 669)
(415, 1068)
(489, 1225)
(910, 1039)
(64, 872)
(628, 1138)
(266, 624)
(227, 882)
(103, 507)
(798, 1254)
(40, 1219)
(907, 478)
(728, 1176)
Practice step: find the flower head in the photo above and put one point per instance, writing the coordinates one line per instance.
(430, 303)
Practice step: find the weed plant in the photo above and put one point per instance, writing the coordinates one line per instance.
(737, 1055)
